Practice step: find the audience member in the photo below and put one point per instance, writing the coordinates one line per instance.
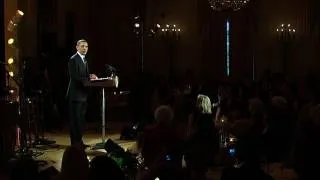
(75, 165)
(25, 168)
(103, 167)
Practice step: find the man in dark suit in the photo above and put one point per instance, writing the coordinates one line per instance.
(77, 92)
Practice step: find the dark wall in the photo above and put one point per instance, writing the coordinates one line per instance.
(2, 49)
(254, 36)
(108, 26)
(111, 37)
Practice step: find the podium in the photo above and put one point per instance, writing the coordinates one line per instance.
(103, 83)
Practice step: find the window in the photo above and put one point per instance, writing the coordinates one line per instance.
(228, 48)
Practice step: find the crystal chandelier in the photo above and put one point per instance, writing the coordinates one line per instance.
(234, 5)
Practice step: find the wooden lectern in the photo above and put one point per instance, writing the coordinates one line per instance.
(103, 83)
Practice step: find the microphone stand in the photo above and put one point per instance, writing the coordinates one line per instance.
(24, 148)
(39, 135)
(24, 121)
(101, 145)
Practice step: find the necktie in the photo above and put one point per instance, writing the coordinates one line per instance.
(86, 65)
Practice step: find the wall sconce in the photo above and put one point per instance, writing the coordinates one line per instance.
(154, 30)
(10, 61)
(137, 25)
(11, 73)
(172, 28)
(171, 31)
(286, 32)
(13, 23)
(11, 41)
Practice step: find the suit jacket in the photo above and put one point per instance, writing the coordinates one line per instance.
(79, 74)
(157, 139)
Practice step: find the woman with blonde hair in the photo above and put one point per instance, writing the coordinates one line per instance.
(202, 137)
(202, 118)
(204, 104)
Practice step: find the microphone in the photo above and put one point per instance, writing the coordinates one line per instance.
(110, 68)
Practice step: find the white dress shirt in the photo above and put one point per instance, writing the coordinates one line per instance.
(82, 57)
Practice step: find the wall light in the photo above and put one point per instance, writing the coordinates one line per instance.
(10, 41)
(10, 60)
(11, 73)
(13, 23)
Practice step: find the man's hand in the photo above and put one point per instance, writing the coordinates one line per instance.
(93, 76)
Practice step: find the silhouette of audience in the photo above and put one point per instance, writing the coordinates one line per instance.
(75, 165)
(24, 168)
(103, 167)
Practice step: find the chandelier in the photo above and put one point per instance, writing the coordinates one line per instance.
(234, 5)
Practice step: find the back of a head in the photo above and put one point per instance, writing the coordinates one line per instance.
(204, 104)
(171, 174)
(74, 162)
(315, 116)
(279, 102)
(248, 146)
(256, 109)
(103, 167)
(247, 173)
(248, 150)
(165, 171)
(279, 111)
(164, 115)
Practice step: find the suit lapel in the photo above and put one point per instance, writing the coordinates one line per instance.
(87, 69)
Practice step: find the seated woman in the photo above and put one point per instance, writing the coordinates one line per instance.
(203, 140)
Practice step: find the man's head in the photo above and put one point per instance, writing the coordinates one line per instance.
(82, 46)
(164, 115)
